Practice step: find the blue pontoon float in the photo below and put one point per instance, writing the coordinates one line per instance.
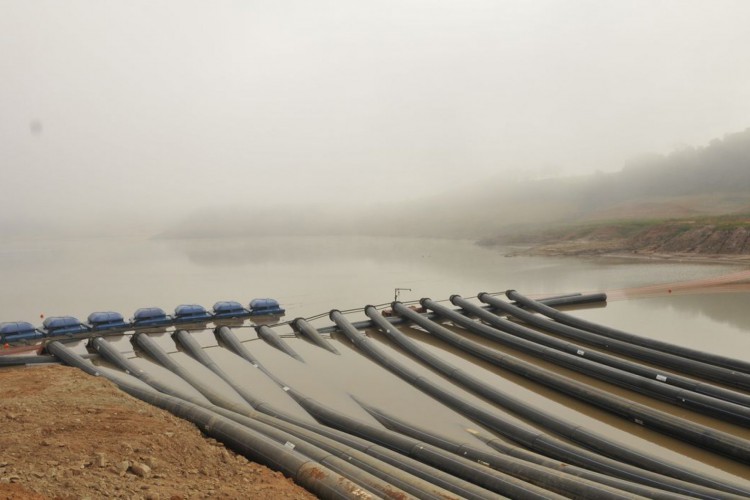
(18, 331)
(190, 312)
(262, 307)
(106, 320)
(63, 325)
(229, 309)
(151, 316)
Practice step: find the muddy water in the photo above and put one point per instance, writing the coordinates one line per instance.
(313, 275)
(308, 275)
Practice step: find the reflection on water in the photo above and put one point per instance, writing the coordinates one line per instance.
(716, 323)
(730, 309)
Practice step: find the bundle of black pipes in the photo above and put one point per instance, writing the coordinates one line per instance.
(400, 460)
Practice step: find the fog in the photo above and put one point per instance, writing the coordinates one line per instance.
(132, 116)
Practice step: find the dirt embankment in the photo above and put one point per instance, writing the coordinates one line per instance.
(65, 434)
(729, 240)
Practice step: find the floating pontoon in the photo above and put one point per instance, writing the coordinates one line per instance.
(190, 312)
(106, 320)
(260, 307)
(63, 325)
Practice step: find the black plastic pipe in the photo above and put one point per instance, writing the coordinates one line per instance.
(188, 344)
(418, 469)
(227, 339)
(574, 299)
(343, 467)
(543, 477)
(109, 353)
(568, 299)
(273, 339)
(520, 452)
(594, 339)
(311, 475)
(642, 352)
(404, 480)
(460, 467)
(700, 435)
(599, 366)
(704, 357)
(341, 447)
(564, 478)
(413, 467)
(311, 334)
(669, 477)
(19, 360)
(191, 347)
(153, 350)
(407, 464)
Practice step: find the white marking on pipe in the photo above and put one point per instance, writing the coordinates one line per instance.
(580, 352)
(661, 378)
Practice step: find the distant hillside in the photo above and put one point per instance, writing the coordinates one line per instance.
(713, 179)
(688, 183)
(691, 202)
(692, 182)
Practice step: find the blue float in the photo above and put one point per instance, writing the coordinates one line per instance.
(229, 309)
(17, 331)
(261, 307)
(151, 316)
(106, 320)
(190, 312)
(63, 325)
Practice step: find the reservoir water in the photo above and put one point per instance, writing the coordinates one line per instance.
(311, 275)
(308, 275)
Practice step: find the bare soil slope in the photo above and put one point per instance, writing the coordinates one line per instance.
(65, 434)
(726, 237)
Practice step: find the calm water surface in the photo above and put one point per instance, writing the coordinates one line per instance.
(308, 275)
(313, 275)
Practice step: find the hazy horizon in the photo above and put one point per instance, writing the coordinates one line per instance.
(141, 113)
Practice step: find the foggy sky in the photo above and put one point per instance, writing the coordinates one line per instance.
(145, 110)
